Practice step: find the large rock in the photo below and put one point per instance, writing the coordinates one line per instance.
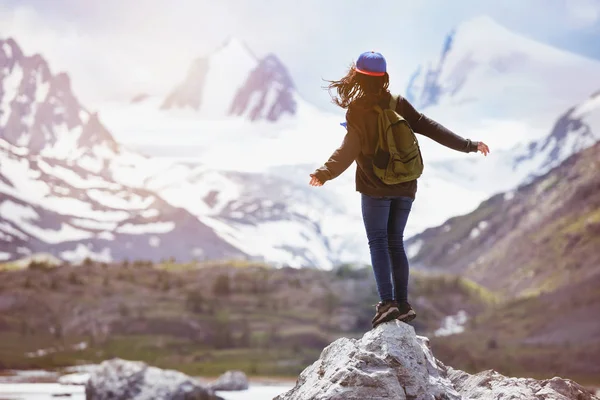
(490, 385)
(392, 362)
(389, 362)
(231, 380)
(118, 379)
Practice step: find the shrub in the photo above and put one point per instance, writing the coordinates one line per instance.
(221, 286)
(88, 262)
(195, 302)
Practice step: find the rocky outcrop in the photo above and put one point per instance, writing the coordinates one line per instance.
(490, 385)
(118, 379)
(231, 380)
(389, 362)
(392, 362)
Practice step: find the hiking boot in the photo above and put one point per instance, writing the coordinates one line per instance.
(386, 311)
(405, 312)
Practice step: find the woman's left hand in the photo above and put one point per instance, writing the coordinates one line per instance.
(483, 148)
(314, 181)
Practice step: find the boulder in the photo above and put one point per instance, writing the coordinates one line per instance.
(389, 362)
(231, 380)
(490, 385)
(118, 379)
(392, 362)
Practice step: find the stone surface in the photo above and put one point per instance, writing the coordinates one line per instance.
(392, 362)
(118, 379)
(490, 385)
(389, 362)
(231, 380)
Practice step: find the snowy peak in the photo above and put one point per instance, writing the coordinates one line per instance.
(10, 52)
(484, 24)
(234, 49)
(268, 93)
(495, 72)
(232, 81)
(575, 130)
(37, 109)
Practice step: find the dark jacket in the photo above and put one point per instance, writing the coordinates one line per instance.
(361, 139)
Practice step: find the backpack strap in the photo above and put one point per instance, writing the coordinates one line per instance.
(393, 102)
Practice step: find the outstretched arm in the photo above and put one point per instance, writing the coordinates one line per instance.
(433, 130)
(341, 158)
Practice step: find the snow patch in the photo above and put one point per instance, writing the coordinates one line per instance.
(92, 164)
(154, 241)
(475, 232)
(106, 236)
(414, 249)
(155, 227)
(151, 213)
(74, 179)
(66, 146)
(7, 50)
(93, 224)
(121, 201)
(23, 215)
(4, 256)
(81, 252)
(42, 88)
(509, 195)
(16, 213)
(453, 324)
(10, 88)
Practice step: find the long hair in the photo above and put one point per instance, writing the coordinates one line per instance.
(356, 86)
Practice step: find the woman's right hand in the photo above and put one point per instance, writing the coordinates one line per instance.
(314, 181)
(483, 148)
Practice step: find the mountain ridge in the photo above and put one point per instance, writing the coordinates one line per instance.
(242, 85)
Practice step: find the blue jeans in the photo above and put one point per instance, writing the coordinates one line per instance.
(385, 219)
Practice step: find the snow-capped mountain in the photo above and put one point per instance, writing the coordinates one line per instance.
(263, 215)
(487, 75)
(575, 130)
(58, 192)
(57, 206)
(232, 81)
(260, 152)
(38, 111)
(240, 184)
(69, 189)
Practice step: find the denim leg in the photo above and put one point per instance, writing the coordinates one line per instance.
(376, 213)
(399, 211)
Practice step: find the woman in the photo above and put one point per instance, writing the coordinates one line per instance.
(385, 208)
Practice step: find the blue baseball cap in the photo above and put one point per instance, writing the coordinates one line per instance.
(371, 63)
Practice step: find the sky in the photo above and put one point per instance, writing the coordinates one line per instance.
(115, 49)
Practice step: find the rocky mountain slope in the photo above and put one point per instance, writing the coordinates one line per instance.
(55, 206)
(557, 330)
(537, 238)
